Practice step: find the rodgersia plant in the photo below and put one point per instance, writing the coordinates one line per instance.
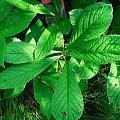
(54, 64)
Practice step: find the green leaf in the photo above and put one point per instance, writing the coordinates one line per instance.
(113, 84)
(57, 4)
(116, 23)
(12, 93)
(89, 24)
(74, 15)
(19, 75)
(46, 42)
(43, 95)
(2, 50)
(51, 79)
(82, 3)
(5, 8)
(67, 100)
(19, 52)
(103, 50)
(64, 25)
(35, 32)
(83, 85)
(84, 70)
(38, 8)
(16, 21)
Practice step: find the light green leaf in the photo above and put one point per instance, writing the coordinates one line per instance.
(5, 8)
(103, 50)
(46, 42)
(19, 52)
(89, 24)
(43, 95)
(38, 8)
(12, 93)
(16, 21)
(74, 15)
(67, 100)
(84, 70)
(2, 50)
(19, 75)
(113, 84)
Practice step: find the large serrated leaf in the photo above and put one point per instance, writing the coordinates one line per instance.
(67, 100)
(19, 75)
(16, 21)
(38, 8)
(46, 42)
(113, 84)
(19, 52)
(103, 50)
(74, 15)
(89, 24)
(2, 50)
(5, 8)
(43, 95)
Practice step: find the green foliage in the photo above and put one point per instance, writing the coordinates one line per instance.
(113, 84)
(67, 100)
(59, 58)
(19, 75)
(37, 8)
(2, 50)
(16, 21)
(19, 52)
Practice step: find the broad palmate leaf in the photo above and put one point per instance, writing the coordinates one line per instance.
(16, 21)
(2, 50)
(67, 100)
(113, 84)
(19, 75)
(43, 95)
(46, 42)
(19, 52)
(89, 24)
(38, 8)
(5, 8)
(99, 51)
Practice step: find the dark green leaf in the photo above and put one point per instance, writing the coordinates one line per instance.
(2, 50)
(43, 96)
